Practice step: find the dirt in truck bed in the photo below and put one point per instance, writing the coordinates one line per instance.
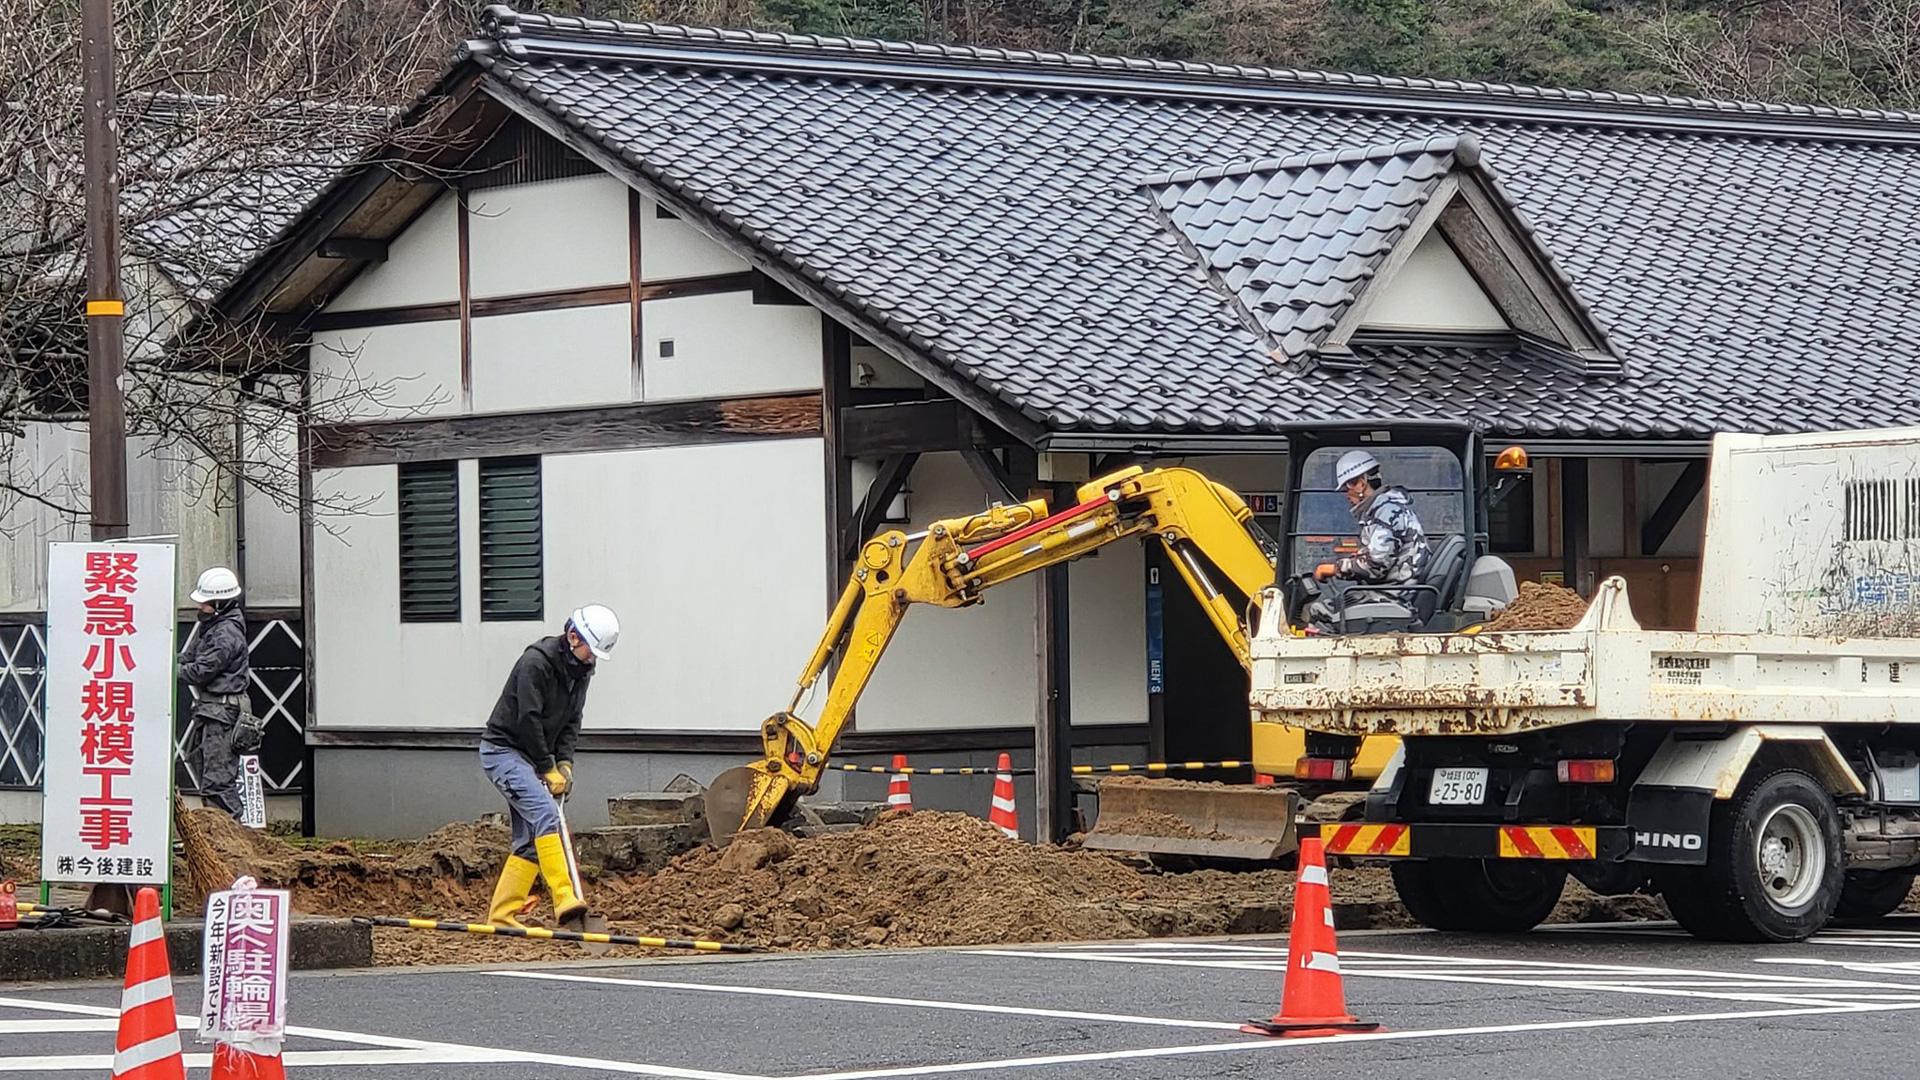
(1540, 606)
(926, 878)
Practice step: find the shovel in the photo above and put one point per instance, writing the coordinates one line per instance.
(592, 922)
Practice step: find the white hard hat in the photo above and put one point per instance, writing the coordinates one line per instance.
(1353, 463)
(217, 583)
(597, 626)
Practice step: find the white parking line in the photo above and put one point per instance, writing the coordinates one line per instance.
(397, 1051)
(1269, 1045)
(869, 999)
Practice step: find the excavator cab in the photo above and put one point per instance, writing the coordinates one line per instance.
(1443, 468)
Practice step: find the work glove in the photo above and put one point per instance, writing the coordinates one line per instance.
(566, 770)
(556, 782)
(1324, 571)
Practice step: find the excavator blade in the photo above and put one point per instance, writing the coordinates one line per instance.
(747, 797)
(1232, 822)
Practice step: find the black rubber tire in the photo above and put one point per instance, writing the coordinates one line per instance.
(1495, 896)
(1872, 894)
(1726, 900)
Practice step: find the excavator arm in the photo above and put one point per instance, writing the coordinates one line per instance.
(1206, 528)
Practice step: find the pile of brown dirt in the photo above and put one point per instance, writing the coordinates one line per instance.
(928, 879)
(1540, 606)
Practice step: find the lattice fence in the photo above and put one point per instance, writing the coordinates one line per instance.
(279, 694)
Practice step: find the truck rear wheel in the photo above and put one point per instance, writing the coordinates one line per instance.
(1487, 895)
(1870, 894)
(1773, 869)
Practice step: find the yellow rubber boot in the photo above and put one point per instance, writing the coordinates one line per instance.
(511, 891)
(553, 866)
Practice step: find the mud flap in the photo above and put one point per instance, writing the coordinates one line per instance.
(1669, 824)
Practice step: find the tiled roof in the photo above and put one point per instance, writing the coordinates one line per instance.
(1750, 264)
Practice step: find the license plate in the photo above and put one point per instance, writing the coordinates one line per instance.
(1458, 787)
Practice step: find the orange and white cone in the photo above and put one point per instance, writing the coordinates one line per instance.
(1003, 816)
(899, 794)
(230, 1062)
(148, 1044)
(1312, 1001)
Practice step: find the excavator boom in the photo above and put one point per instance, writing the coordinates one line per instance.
(1206, 528)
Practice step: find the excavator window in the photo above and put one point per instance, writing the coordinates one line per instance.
(1323, 528)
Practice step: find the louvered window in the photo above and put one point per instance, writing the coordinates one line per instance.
(430, 542)
(511, 574)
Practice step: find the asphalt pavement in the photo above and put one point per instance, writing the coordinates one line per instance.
(1640, 1000)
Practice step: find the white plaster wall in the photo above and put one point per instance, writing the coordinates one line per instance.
(1607, 508)
(725, 344)
(272, 526)
(671, 248)
(872, 369)
(1434, 290)
(556, 234)
(548, 359)
(715, 622)
(422, 267)
(387, 372)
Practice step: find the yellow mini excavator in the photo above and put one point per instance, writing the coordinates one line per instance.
(1218, 551)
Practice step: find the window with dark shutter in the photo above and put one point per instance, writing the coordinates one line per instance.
(511, 574)
(430, 542)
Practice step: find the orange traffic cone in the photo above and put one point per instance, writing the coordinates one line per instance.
(1003, 816)
(899, 795)
(232, 1063)
(148, 1046)
(1311, 1002)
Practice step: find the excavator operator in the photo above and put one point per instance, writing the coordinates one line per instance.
(1392, 546)
(527, 752)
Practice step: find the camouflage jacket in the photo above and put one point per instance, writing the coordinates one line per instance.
(1393, 547)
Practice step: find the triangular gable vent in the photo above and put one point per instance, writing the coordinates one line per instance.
(1310, 249)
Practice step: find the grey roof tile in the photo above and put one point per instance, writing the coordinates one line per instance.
(1747, 261)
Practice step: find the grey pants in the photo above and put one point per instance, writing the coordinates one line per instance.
(226, 731)
(530, 805)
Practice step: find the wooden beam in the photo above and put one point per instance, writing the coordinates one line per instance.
(635, 326)
(1679, 499)
(836, 365)
(865, 521)
(303, 450)
(564, 431)
(768, 291)
(993, 476)
(1053, 719)
(919, 426)
(353, 249)
(464, 231)
(1575, 512)
(521, 303)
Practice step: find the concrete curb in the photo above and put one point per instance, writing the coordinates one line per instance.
(99, 952)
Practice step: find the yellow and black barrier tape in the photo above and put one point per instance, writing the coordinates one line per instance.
(1077, 770)
(543, 934)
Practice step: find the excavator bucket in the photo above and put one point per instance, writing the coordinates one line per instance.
(746, 797)
(1229, 822)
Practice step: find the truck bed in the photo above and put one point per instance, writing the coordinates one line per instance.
(1606, 668)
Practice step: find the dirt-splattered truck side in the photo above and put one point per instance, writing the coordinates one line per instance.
(1760, 771)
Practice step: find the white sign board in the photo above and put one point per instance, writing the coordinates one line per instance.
(107, 807)
(253, 796)
(243, 964)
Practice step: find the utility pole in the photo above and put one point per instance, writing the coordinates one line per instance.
(106, 307)
(106, 313)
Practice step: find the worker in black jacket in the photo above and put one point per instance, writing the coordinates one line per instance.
(527, 751)
(214, 662)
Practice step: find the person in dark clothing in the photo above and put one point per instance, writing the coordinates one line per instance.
(527, 752)
(214, 663)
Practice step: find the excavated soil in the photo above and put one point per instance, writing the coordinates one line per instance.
(1540, 606)
(925, 878)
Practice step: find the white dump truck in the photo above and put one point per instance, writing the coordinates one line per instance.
(1760, 771)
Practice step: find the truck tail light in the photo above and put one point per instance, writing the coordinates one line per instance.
(1585, 771)
(1321, 768)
